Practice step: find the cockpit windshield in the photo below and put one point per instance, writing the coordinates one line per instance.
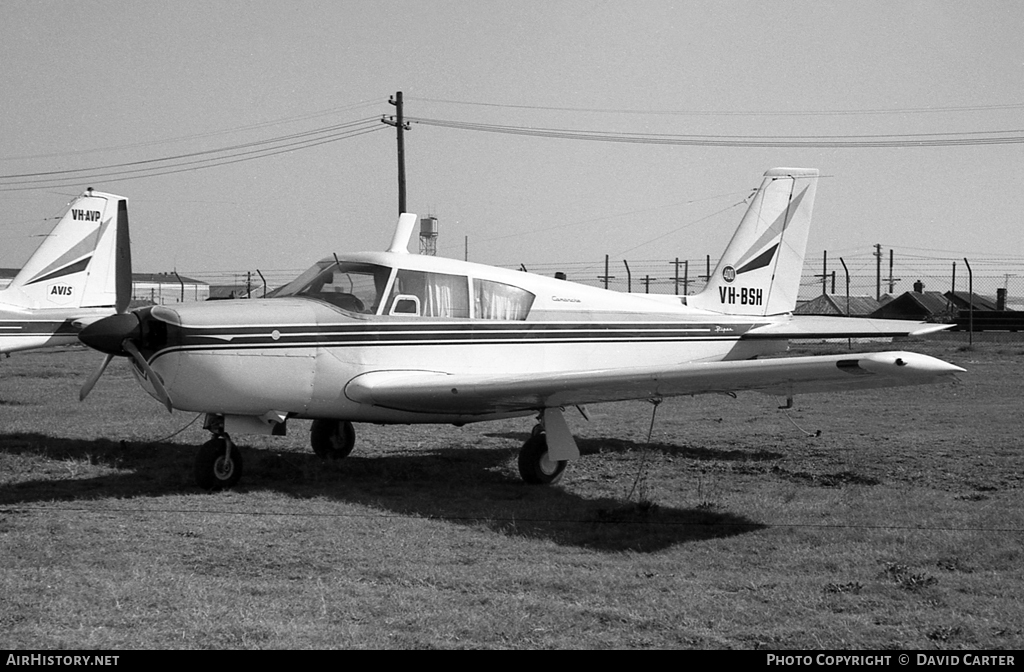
(352, 286)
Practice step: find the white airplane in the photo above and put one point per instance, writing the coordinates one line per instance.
(80, 273)
(390, 337)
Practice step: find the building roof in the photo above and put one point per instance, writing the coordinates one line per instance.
(835, 304)
(963, 300)
(915, 305)
(165, 278)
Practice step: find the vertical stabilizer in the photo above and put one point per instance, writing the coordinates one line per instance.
(759, 273)
(85, 262)
(403, 232)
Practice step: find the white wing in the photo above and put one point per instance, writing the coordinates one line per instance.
(439, 392)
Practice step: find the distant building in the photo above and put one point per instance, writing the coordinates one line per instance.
(162, 288)
(963, 300)
(834, 304)
(222, 292)
(920, 306)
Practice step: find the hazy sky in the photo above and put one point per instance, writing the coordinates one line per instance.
(89, 84)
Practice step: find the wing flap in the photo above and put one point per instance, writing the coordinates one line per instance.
(480, 394)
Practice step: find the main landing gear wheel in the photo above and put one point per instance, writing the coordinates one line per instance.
(534, 464)
(332, 439)
(218, 464)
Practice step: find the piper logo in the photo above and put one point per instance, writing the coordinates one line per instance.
(60, 293)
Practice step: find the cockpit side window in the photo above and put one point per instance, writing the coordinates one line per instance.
(351, 286)
(498, 301)
(429, 294)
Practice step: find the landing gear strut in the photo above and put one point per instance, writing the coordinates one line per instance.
(535, 465)
(332, 439)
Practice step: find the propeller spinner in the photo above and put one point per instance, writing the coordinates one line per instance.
(116, 336)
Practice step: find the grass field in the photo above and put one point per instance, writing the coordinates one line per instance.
(900, 525)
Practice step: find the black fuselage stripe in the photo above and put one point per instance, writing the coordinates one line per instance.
(314, 345)
(474, 327)
(450, 339)
(306, 336)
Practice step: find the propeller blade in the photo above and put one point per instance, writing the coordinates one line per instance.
(122, 260)
(154, 378)
(87, 387)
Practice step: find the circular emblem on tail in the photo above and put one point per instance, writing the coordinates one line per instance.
(729, 273)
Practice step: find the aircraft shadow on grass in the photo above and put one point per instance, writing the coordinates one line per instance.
(465, 486)
(594, 446)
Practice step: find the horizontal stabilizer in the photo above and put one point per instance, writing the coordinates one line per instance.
(822, 326)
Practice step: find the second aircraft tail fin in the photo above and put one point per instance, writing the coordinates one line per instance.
(85, 262)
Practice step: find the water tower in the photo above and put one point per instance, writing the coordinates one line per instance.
(428, 235)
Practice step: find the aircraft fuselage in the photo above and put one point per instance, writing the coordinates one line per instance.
(295, 355)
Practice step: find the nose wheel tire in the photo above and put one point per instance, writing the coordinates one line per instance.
(535, 466)
(332, 439)
(218, 464)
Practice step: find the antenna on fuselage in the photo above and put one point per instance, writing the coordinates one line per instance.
(403, 232)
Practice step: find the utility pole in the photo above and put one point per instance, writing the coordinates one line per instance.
(824, 274)
(606, 277)
(398, 121)
(707, 276)
(878, 271)
(676, 264)
(891, 279)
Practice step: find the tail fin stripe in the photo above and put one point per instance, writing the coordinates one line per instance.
(761, 261)
(775, 230)
(80, 249)
(67, 270)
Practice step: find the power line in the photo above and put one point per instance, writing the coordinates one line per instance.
(194, 154)
(739, 113)
(191, 161)
(593, 220)
(956, 139)
(197, 136)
